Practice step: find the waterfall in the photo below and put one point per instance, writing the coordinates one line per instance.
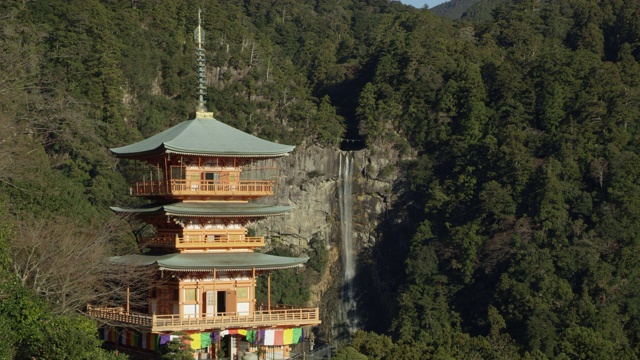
(345, 183)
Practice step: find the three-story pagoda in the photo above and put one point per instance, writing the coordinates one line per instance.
(205, 175)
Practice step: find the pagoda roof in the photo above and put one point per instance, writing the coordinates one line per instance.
(209, 261)
(204, 136)
(208, 209)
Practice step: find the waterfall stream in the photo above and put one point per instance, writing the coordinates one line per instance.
(348, 304)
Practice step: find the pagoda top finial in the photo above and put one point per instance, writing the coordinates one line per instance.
(198, 34)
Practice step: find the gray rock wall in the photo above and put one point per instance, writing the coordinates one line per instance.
(309, 181)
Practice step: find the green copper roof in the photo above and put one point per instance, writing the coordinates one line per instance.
(208, 209)
(208, 262)
(204, 137)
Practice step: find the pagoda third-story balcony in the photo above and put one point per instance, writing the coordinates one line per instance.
(203, 188)
(204, 241)
(259, 318)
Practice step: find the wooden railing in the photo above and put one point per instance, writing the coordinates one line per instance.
(202, 187)
(118, 314)
(205, 241)
(274, 317)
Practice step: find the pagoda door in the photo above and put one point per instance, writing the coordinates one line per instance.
(221, 305)
(209, 303)
(230, 301)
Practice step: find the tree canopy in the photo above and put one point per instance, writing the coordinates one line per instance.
(519, 212)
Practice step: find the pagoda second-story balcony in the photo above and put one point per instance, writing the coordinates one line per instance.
(278, 316)
(204, 241)
(213, 181)
(184, 189)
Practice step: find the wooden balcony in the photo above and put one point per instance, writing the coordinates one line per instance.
(259, 318)
(203, 188)
(203, 241)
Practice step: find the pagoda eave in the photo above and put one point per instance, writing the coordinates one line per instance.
(217, 210)
(207, 262)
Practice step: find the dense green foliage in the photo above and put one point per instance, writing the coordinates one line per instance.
(482, 10)
(527, 134)
(177, 348)
(455, 9)
(291, 286)
(515, 229)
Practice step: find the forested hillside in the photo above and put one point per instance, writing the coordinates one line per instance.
(524, 195)
(514, 233)
(454, 9)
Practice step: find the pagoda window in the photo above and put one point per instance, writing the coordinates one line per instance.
(189, 294)
(243, 308)
(190, 311)
(243, 292)
(178, 173)
(211, 176)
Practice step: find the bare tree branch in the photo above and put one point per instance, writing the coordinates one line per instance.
(67, 263)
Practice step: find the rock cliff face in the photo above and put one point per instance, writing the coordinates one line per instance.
(309, 180)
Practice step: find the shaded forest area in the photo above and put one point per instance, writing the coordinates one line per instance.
(521, 208)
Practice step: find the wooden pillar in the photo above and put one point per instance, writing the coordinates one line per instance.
(215, 294)
(180, 301)
(269, 292)
(128, 298)
(252, 290)
(166, 176)
(198, 298)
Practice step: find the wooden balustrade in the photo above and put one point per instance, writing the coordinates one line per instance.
(205, 241)
(118, 314)
(203, 188)
(274, 317)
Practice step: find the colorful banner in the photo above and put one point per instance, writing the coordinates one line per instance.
(196, 343)
(148, 341)
(133, 338)
(297, 336)
(154, 341)
(287, 336)
(278, 338)
(269, 337)
(252, 336)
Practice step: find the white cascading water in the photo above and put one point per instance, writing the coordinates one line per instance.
(345, 181)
